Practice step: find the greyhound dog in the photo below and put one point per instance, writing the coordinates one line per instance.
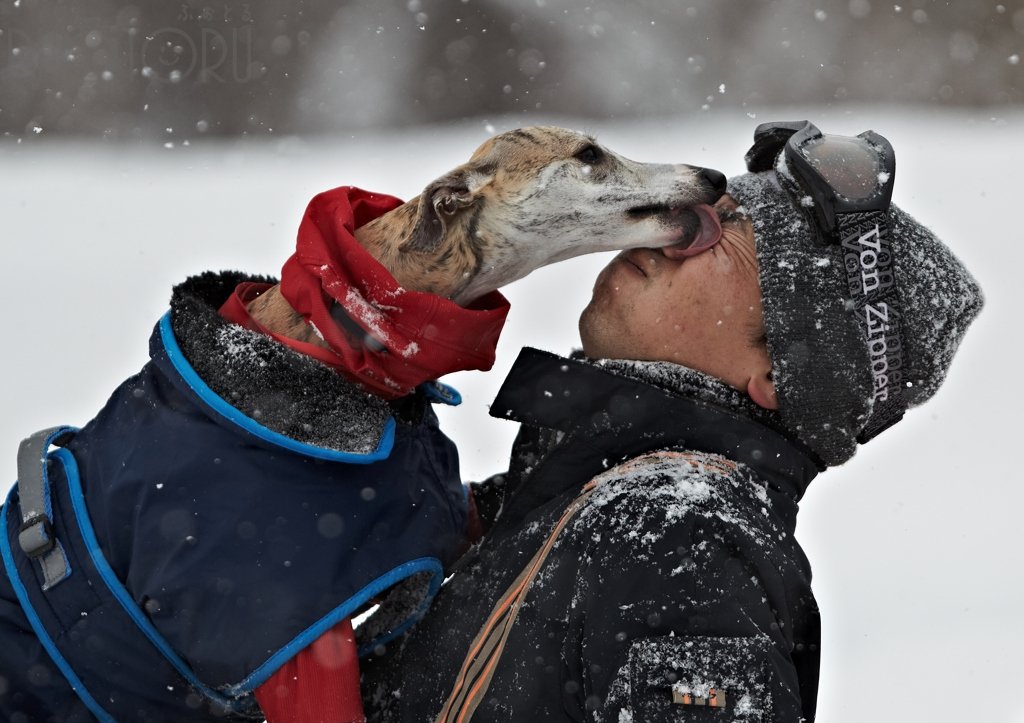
(526, 198)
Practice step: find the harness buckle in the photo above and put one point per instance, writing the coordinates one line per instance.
(36, 536)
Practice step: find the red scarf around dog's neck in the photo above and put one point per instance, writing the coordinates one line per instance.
(394, 339)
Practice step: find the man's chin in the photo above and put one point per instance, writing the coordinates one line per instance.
(597, 334)
(586, 329)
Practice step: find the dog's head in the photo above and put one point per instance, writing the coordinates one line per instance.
(533, 196)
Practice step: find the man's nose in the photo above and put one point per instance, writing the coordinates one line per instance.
(714, 179)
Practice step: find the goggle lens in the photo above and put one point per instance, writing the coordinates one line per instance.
(851, 166)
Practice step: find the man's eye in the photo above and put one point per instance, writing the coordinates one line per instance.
(589, 154)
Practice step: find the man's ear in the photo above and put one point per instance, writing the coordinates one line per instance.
(761, 389)
(440, 202)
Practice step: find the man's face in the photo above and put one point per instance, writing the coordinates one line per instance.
(703, 312)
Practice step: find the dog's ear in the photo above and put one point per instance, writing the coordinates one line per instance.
(440, 202)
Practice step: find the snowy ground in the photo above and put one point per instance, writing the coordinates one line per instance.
(916, 544)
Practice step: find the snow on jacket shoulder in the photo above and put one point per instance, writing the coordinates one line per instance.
(707, 600)
(676, 586)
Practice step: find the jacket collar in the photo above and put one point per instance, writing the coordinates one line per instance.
(606, 416)
(268, 382)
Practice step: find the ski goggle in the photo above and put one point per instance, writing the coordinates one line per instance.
(843, 185)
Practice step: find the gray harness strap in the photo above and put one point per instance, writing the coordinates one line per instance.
(36, 536)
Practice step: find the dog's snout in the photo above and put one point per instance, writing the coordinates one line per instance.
(714, 179)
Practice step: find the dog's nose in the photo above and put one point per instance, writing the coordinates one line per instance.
(714, 179)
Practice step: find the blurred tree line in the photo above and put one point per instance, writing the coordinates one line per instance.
(181, 68)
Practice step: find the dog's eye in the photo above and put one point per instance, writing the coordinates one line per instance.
(589, 154)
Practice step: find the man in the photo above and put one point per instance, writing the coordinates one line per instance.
(643, 566)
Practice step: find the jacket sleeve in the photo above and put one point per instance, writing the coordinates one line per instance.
(694, 623)
(486, 499)
(319, 685)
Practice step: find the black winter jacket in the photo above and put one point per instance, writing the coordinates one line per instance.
(678, 580)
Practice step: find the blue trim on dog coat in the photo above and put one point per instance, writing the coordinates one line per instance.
(207, 550)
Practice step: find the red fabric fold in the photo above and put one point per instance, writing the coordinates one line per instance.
(319, 685)
(398, 338)
(424, 336)
(236, 310)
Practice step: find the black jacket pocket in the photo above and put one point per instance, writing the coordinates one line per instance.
(697, 679)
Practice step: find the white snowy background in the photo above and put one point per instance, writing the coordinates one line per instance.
(916, 545)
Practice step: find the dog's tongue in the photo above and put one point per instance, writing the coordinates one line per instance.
(708, 233)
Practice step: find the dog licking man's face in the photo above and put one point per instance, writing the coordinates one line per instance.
(540, 195)
(534, 196)
(703, 311)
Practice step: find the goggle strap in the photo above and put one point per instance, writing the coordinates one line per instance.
(871, 277)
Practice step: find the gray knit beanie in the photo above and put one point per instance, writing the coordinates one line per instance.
(820, 360)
